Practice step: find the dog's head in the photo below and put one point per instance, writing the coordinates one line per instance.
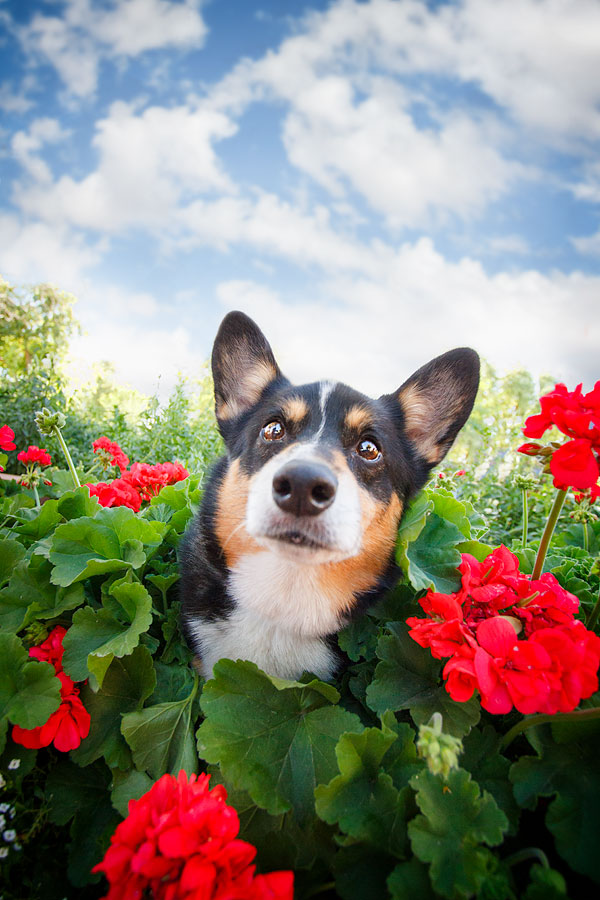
(320, 472)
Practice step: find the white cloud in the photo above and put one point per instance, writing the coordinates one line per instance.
(25, 146)
(87, 32)
(589, 246)
(148, 162)
(372, 333)
(40, 251)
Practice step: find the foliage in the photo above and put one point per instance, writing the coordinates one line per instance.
(326, 778)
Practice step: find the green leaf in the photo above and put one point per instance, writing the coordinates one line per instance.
(362, 799)
(130, 785)
(128, 682)
(273, 738)
(446, 506)
(476, 548)
(571, 772)
(82, 795)
(73, 504)
(359, 639)
(112, 541)
(11, 553)
(161, 737)
(408, 678)
(102, 634)
(410, 879)
(433, 557)
(481, 757)
(361, 872)
(29, 690)
(29, 596)
(545, 884)
(37, 523)
(455, 821)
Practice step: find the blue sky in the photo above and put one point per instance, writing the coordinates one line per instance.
(374, 182)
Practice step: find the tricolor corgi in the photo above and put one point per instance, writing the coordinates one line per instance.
(295, 535)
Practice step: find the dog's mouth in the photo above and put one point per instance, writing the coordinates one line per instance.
(299, 539)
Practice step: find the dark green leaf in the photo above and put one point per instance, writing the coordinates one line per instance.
(29, 690)
(129, 785)
(11, 553)
(433, 557)
(127, 683)
(455, 821)
(273, 738)
(161, 737)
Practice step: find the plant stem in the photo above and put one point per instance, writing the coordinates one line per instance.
(594, 615)
(579, 715)
(548, 532)
(36, 497)
(65, 450)
(525, 518)
(586, 539)
(528, 853)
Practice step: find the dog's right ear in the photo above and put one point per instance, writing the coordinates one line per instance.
(243, 365)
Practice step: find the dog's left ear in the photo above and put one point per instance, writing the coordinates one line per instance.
(243, 365)
(436, 402)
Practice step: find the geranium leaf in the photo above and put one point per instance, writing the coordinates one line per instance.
(37, 523)
(101, 634)
(481, 757)
(407, 677)
(571, 772)
(11, 553)
(127, 683)
(361, 872)
(362, 799)
(410, 879)
(456, 819)
(112, 541)
(433, 557)
(446, 506)
(128, 786)
(74, 504)
(29, 690)
(274, 738)
(29, 596)
(161, 737)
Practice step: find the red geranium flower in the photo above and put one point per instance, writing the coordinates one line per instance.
(575, 465)
(7, 437)
(33, 454)
(179, 842)
(65, 728)
(116, 493)
(512, 638)
(112, 452)
(70, 724)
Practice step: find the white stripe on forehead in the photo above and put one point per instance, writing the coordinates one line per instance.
(325, 389)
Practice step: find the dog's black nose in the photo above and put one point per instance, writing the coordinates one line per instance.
(304, 488)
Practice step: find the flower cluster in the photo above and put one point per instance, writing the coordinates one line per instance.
(66, 727)
(574, 463)
(33, 459)
(179, 842)
(135, 485)
(110, 454)
(512, 638)
(7, 437)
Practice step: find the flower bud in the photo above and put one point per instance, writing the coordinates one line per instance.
(47, 421)
(440, 751)
(526, 482)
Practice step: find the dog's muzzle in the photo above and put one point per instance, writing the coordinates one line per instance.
(304, 488)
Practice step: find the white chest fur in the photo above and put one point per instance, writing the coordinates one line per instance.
(280, 613)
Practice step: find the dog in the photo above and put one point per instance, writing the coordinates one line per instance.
(296, 531)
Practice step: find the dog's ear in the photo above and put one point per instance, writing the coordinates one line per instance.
(243, 365)
(436, 402)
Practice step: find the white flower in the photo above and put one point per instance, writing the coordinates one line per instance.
(12, 812)
(2, 782)
(4, 807)
(14, 764)
(3, 852)
(2, 821)
(10, 835)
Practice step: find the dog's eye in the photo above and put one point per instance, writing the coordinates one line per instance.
(368, 450)
(274, 431)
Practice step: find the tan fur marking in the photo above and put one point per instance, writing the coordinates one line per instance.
(252, 382)
(343, 581)
(295, 409)
(230, 516)
(358, 418)
(418, 412)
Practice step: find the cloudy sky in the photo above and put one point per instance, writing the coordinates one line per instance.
(373, 182)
